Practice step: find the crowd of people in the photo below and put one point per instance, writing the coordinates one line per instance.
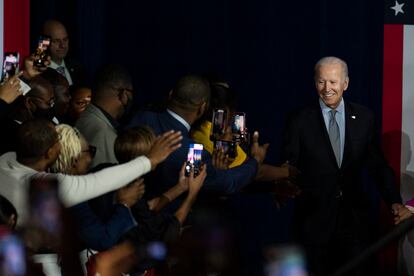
(80, 185)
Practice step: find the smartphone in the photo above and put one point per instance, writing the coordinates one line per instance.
(41, 51)
(229, 147)
(218, 124)
(285, 261)
(12, 254)
(194, 159)
(239, 123)
(10, 65)
(45, 208)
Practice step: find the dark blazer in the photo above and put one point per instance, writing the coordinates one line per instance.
(166, 174)
(99, 234)
(76, 71)
(324, 185)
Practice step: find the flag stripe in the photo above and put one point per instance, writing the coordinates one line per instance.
(1, 30)
(392, 93)
(408, 99)
(16, 26)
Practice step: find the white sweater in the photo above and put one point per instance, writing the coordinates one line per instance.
(14, 182)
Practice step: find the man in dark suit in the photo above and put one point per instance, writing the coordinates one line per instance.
(187, 103)
(58, 49)
(331, 143)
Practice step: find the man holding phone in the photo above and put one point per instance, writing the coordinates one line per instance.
(187, 103)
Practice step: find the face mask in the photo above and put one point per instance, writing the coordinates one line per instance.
(128, 107)
(44, 113)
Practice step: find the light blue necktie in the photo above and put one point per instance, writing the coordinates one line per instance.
(61, 70)
(334, 136)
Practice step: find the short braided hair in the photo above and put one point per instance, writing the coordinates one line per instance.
(71, 148)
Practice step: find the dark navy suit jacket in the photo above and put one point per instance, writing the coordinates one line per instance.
(98, 233)
(324, 185)
(166, 175)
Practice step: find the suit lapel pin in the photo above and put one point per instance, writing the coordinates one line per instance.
(353, 117)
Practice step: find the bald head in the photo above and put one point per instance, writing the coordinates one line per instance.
(40, 88)
(190, 92)
(59, 44)
(34, 138)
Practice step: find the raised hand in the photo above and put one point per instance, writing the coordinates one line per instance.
(220, 160)
(257, 151)
(163, 146)
(131, 193)
(182, 180)
(196, 182)
(30, 70)
(10, 89)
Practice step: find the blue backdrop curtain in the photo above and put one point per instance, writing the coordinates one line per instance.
(266, 49)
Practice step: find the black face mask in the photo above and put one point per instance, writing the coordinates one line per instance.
(47, 114)
(128, 107)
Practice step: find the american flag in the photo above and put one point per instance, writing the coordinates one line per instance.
(398, 100)
(14, 27)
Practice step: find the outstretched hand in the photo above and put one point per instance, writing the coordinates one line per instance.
(10, 89)
(130, 194)
(163, 146)
(196, 182)
(257, 151)
(30, 70)
(400, 212)
(220, 160)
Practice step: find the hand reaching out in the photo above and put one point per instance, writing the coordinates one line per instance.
(400, 212)
(10, 89)
(220, 160)
(257, 151)
(131, 193)
(182, 180)
(196, 182)
(30, 70)
(293, 172)
(163, 146)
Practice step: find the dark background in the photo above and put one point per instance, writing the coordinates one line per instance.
(266, 49)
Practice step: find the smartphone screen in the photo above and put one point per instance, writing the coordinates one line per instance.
(41, 51)
(45, 206)
(194, 159)
(285, 261)
(13, 256)
(228, 147)
(239, 123)
(10, 65)
(218, 124)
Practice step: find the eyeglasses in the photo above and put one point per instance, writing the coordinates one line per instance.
(122, 89)
(91, 150)
(50, 103)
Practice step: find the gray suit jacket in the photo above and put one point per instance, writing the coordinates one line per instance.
(98, 132)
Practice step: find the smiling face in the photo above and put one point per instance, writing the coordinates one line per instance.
(331, 82)
(79, 101)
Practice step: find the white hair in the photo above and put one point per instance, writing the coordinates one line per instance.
(331, 60)
(71, 148)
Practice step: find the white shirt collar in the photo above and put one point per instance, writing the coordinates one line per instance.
(340, 108)
(180, 119)
(54, 65)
